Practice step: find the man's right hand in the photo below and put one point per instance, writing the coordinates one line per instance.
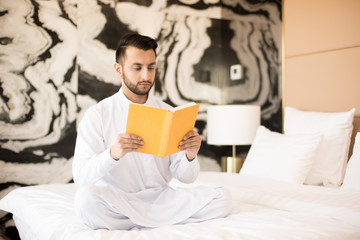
(125, 143)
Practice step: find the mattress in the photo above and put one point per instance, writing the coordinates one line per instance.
(262, 209)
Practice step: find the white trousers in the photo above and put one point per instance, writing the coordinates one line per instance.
(96, 208)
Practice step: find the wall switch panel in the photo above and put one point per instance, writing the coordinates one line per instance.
(235, 72)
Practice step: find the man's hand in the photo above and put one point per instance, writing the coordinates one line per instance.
(125, 143)
(191, 145)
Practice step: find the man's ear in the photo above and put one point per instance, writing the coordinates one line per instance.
(118, 69)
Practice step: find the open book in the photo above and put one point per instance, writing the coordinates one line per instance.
(161, 129)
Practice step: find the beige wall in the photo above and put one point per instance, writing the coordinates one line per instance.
(322, 55)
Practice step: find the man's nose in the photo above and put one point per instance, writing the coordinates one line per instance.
(145, 74)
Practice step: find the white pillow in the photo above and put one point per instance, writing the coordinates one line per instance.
(352, 174)
(329, 167)
(48, 210)
(283, 157)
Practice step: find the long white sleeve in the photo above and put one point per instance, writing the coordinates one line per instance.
(182, 169)
(92, 158)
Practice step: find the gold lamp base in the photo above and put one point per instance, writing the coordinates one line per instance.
(231, 164)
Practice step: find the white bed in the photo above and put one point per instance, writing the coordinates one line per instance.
(263, 209)
(270, 199)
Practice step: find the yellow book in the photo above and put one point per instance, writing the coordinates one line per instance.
(161, 130)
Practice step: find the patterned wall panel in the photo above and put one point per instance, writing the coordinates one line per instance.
(56, 60)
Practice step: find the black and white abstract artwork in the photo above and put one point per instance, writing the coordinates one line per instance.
(57, 56)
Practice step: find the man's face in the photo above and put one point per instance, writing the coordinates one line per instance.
(138, 70)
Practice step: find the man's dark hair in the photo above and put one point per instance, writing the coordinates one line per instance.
(135, 40)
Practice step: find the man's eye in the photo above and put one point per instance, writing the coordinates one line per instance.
(137, 69)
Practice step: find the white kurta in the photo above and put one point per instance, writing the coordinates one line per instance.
(136, 186)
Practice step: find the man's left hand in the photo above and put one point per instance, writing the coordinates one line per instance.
(191, 145)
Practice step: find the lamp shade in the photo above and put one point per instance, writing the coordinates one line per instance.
(232, 124)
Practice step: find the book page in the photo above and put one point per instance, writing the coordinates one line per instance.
(182, 106)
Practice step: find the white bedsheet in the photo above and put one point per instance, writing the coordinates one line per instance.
(263, 209)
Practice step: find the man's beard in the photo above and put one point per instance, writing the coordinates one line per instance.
(134, 88)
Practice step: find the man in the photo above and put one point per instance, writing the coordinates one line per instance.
(123, 189)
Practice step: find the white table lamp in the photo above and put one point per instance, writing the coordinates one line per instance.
(232, 125)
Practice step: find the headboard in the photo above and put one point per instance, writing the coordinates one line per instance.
(321, 56)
